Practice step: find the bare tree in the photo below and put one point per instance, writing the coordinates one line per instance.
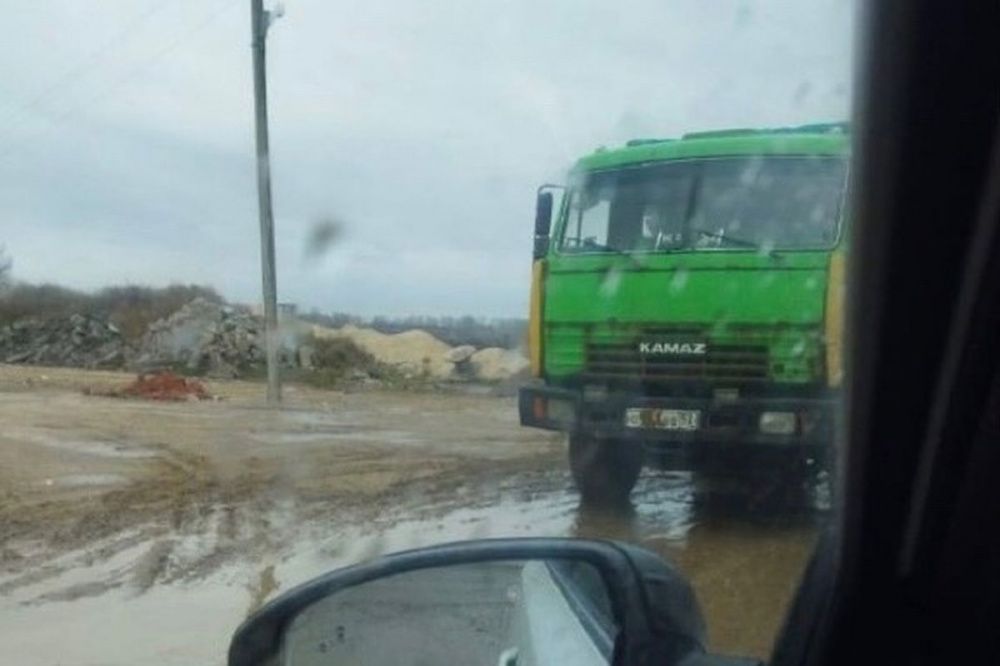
(5, 266)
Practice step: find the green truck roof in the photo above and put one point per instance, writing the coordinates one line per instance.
(815, 139)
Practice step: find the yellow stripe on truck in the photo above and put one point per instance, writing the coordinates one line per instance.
(535, 318)
(835, 292)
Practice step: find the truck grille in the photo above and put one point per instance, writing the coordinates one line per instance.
(721, 362)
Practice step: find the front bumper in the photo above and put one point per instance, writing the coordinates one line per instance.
(729, 426)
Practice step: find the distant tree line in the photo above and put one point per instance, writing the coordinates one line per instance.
(131, 308)
(465, 330)
(5, 266)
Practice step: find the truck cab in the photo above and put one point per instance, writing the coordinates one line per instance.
(686, 306)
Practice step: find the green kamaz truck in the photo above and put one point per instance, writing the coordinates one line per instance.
(687, 307)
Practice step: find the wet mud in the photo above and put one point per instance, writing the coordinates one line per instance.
(144, 533)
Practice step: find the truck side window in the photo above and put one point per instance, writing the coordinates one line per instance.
(588, 219)
(625, 221)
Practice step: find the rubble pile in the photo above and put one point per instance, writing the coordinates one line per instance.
(204, 337)
(222, 341)
(79, 341)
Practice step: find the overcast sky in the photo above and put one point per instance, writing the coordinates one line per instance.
(126, 131)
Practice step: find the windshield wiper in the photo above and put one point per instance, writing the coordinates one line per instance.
(741, 242)
(593, 245)
(728, 239)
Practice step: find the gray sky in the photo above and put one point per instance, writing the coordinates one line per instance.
(126, 135)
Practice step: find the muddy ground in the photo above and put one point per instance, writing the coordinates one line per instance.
(136, 532)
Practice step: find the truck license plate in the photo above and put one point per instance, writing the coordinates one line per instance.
(663, 419)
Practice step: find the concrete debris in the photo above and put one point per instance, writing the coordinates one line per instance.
(222, 341)
(205, 337)
(307, 354)
(77, 341)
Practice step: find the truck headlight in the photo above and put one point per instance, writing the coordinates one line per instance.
(777, 423)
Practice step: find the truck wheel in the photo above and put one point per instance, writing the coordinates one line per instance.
(604, 470)
(788, 489)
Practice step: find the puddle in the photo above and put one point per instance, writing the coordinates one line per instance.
(743, 571)
(291, 437)
(338, 435)
(175, 625)
(85, 480)
(315, 418)
(95, 448)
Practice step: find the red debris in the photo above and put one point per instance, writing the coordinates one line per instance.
(163, 385)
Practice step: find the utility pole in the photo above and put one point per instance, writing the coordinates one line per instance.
(260, 22)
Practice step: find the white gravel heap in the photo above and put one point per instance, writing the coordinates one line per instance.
(419, 354)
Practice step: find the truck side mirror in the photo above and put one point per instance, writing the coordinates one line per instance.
(543, 219)
(543, 214)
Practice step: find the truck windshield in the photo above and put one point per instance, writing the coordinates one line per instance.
(739, 203)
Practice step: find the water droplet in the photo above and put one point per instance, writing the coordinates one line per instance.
(679, 281)
(612, 283)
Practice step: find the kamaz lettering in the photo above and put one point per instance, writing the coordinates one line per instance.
(676, 348)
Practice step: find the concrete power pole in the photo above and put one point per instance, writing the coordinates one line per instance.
(260, 22)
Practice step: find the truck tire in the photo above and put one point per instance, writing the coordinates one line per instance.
(788, 488)
(604, 470)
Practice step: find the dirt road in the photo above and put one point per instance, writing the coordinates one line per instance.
(141, 532)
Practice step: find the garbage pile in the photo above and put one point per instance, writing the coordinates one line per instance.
(79, 341)
(206, 338)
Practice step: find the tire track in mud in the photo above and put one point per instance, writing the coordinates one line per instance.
(177, 495)
(189, 518)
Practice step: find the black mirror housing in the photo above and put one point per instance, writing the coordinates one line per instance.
(648, 631)
(544, 205)
(541, 247)
(543, 214)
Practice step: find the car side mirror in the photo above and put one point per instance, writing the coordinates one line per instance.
(510, 602)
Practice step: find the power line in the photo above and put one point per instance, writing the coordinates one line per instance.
(121, 81)
(76, 72)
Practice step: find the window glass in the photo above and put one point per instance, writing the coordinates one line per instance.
(756, 202)
(272, 301)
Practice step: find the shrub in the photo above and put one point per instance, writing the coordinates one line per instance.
(340, 355)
